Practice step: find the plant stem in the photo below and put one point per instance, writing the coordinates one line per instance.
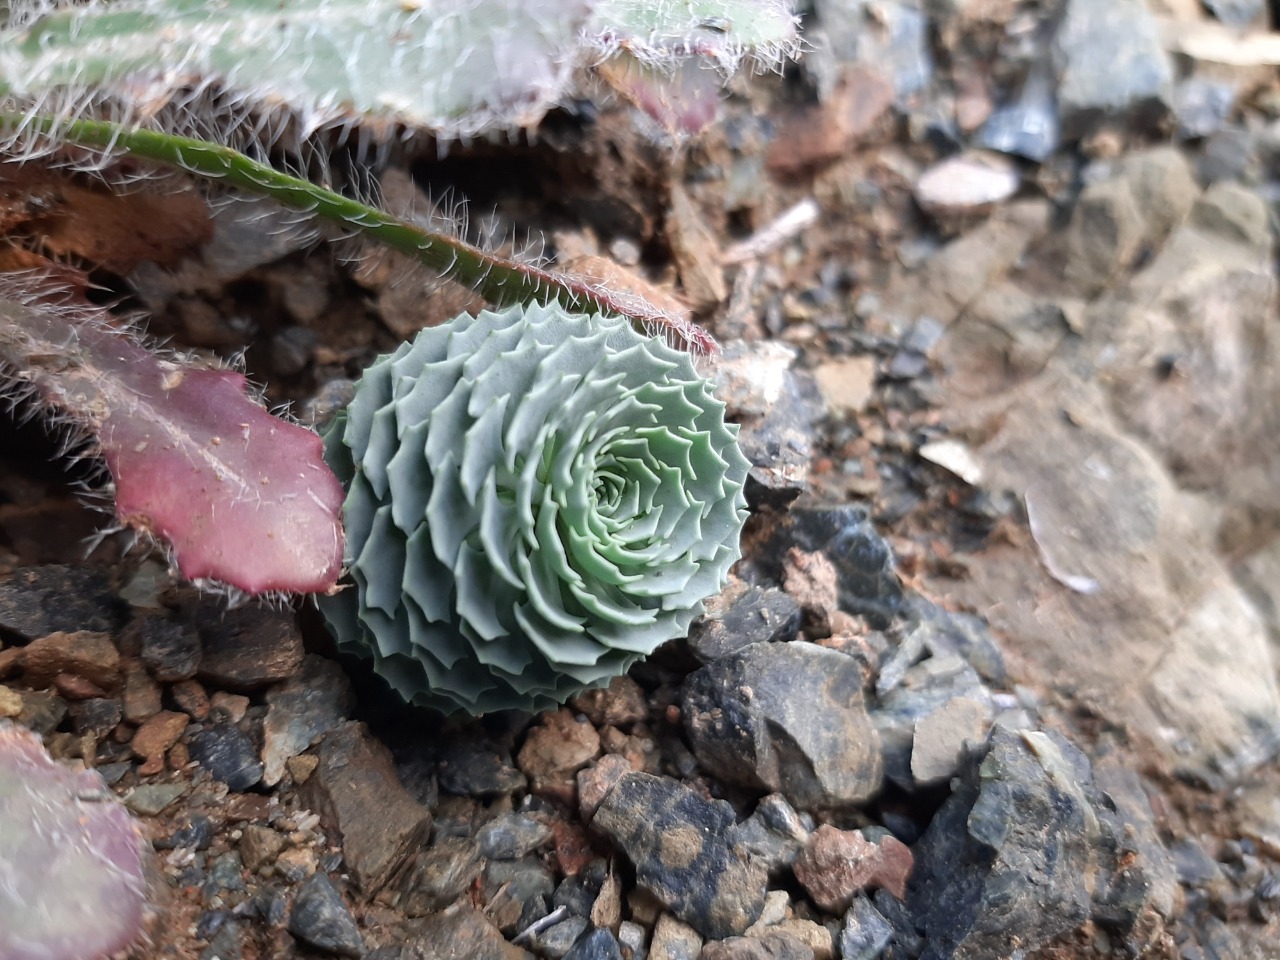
(498, 279)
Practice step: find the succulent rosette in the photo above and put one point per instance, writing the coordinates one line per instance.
(536, 500)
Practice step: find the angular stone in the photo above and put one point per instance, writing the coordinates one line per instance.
(676, 841)
(786, 718)
(57, 598)
(81, 653)
(596, 944)
(438, 875)
(866, 932)
(249, 647)
(98, 717)
(141, 697)
(301, 710)
(837, 865)
(229, 755)
(259, 847)
(556, 749)
(622, 702)
(674, 940)
(773, 834)
(355, 791)
(510, 836)
(320, 919)
(473, 766)
(170, 649)
(769, 945)
(1110, 63)
(776, 407)
(742, 615)
(156, 736)
(939, 743)
(866, 580)
(460, 932)
(1027, 849)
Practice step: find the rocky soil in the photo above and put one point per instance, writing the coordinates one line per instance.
(999, 673)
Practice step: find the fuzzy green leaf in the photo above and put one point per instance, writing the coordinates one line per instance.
(458, 69)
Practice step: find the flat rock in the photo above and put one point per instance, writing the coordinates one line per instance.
(742, 615)
(597, 943)
(58, 598)
(510, 836)
(787, 718)
(965, 184)
(249, 647)
(320, 919)
(302, 709)
(676, 841)
(355, 791)
(941, 737)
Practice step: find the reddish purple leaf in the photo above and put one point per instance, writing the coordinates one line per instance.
(242, 497)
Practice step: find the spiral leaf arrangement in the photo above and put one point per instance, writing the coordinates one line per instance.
(536, 500)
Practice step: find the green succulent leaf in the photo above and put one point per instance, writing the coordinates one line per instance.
(536, 500)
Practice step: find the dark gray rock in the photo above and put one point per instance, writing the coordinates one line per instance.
(98, 716)
(866, 932)
(557, 940)
(38, 601)
(169, 648)
(226, 875)
(737, 619)
(226, 944)
(1027, 126)
(438, 875)
(777, 408)
(596, 944)
(786, 718)
(1203, 105)
(42, 711)
(578, 893)
(355, 791)
(926, 688)
(774, 833)
(196, 833)
(1025, 850)
(866, 581)
(477, 767)
(301, 710)
(967, 635)
(229, 755)
(1110, 63)
(677, 842)
(320, 919)
(510, 836)
(247, 648)
(508, 885)
(891, 37)
(771, 945)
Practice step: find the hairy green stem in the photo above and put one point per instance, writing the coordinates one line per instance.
(498, 279)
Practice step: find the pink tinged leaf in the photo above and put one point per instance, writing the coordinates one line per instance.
(683, 99)
(72, 883)
(242, 497)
